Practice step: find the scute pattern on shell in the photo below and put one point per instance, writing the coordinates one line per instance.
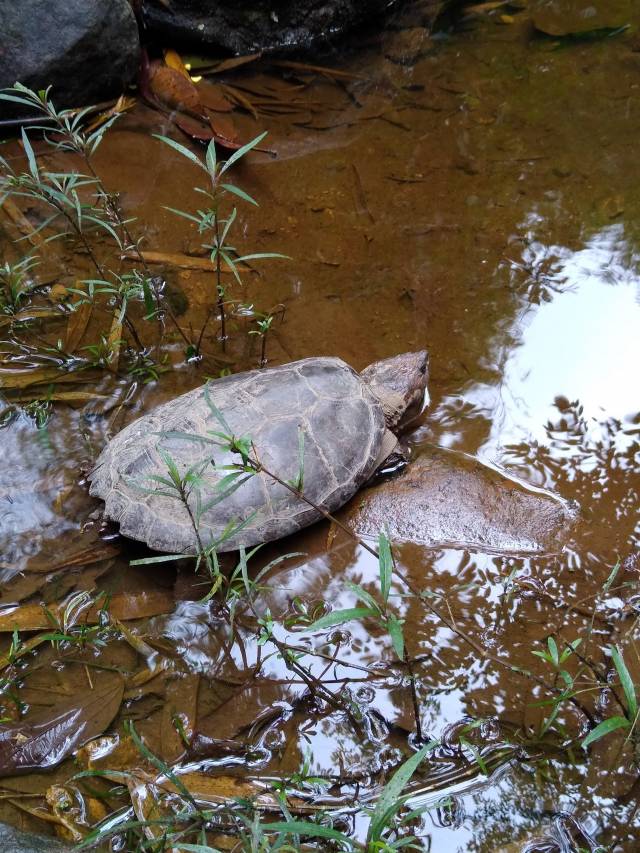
(343, 427)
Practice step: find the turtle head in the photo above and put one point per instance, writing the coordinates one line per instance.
(400, 384)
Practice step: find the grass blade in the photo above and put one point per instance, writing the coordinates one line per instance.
(232, 188)
(626, 681)
(386, 566)
(390, 799)
(237, 155)
(605, 728)
(337, 617)
(31, 157)
(181, 149)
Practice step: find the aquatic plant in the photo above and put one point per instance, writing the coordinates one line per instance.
(214, 223)
(178, 819)
(76, 206)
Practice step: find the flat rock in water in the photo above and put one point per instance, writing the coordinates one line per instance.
(449, 499)
(14, 841)
(573, 17)
(86, 50)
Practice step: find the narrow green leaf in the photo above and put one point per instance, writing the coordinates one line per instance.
(234, 527)
(181, 149)
(223, 495)
(304, 828)
(365, 597)
(227, 226)
(390, 799)
(300, 458)
(210, 158)
(183, 213)
(237, 155)
(609, 581)
(553, 650)
(241, 193)
(23, 101)
(31, 157)
(385, 562)
(626, 681)
(476, 754)
(149, 301)
(158, 762)
(605, 728)
(338, 617)
(165, 558)
(187, 436)
(394, 627)
(215, 411)
(232, 266)
(257, 255)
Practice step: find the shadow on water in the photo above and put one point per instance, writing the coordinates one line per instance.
(472, 192)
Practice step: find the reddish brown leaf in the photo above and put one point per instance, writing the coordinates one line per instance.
(213, 98)
(171, 88)
(193, 128)
(224, 130)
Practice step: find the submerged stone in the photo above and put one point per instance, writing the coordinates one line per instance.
(573, 17)
(14, 841)
(449, 499)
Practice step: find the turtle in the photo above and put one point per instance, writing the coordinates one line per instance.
(316, 420)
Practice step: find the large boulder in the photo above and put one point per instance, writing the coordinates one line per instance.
(85, 49)
(247, 26)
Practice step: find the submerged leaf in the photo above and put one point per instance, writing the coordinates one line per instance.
(45, 739)
(77, 324)
(122, 606)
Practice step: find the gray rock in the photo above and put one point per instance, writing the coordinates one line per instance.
(247, 26)
(444, 498)
(14, 841)
(86, 50)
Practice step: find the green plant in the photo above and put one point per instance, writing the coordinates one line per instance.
(557, 660)
(216, 226)
(628, 720)
(15, 283)
(379, 611)
(182, 821)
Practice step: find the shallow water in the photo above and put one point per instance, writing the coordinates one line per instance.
(477, 197)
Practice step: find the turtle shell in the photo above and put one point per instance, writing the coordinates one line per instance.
(325, 399)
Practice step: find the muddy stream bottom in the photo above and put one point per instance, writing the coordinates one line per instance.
(474, 192)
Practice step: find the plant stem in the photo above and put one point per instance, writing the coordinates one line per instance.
(114, 211)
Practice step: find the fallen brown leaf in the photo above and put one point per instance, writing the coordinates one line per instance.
(172, 89)
(173, 59)
(212, 96)
(43, 740)
(122, 606)
(77, 324)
